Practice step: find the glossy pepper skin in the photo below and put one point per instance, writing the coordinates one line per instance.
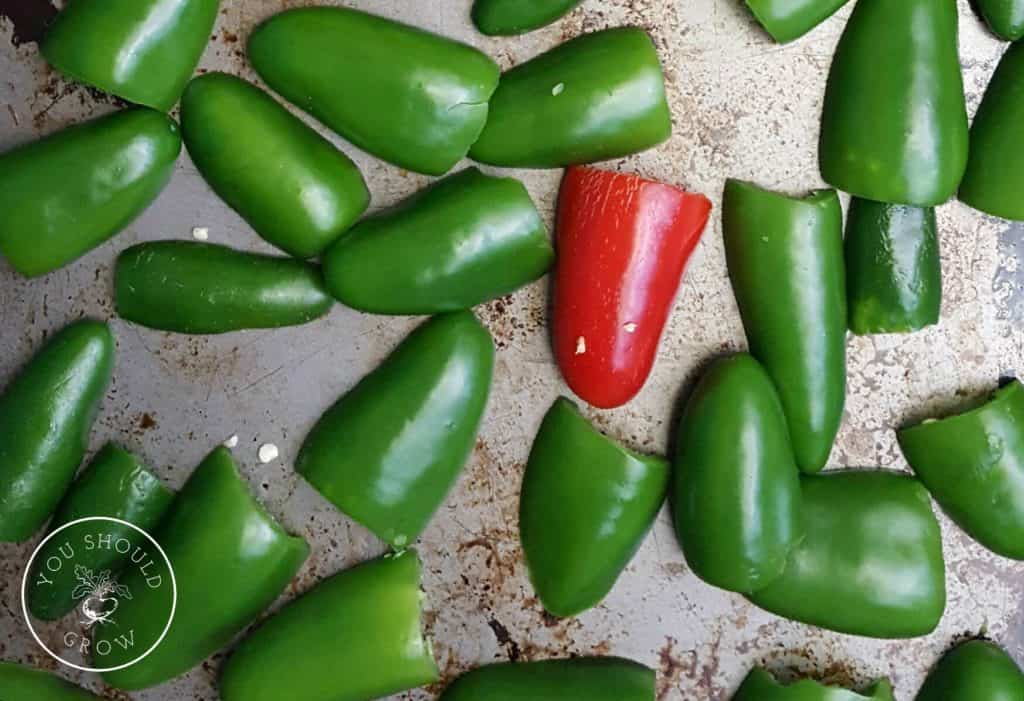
(203, 288)
(1004, 17)
(237, 135)
(421, 106)
(973, 464)
(994, 178)
(623, 245)
(417, 417)
(66, 194)
(786, 20)
(785, 258)
(355, 636)
(760, 685)
(599, 96)
(20, 683)
(141, 50)
(736, 487)
(592, 678)
(898, 135)
(465, 240)
(974, 671)
(46, 414)
(871, 559)
(510, 17)
(893, 269)
(231, 560)
(585, 507)
(114, 485)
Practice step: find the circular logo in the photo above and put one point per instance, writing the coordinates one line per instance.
(94, 591)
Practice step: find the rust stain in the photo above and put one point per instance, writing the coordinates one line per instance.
(146, 421)
(503, 637)
(29, 19)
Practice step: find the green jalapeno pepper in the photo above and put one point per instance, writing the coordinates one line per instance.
(66, 194)
(467, 239)
(893, 270)
(599, 96)
(974, 671)
(586, 505)
(787, 20)
(1004, 17)
(141, 50)
(510, 17)
(994, 179)
(20, 683)
(236, 135)
(355, 636)
(785, 258)
(231, 560)
(114, 485)
(760, 685)
(736, 486)
(417, 417)
(897, 135)
(203, 288)
(871, 559)
(407, 96)
(592, 678)
(973, 464)
(46, 414)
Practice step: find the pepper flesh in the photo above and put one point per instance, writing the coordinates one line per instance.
(303, 653)
(974, 671)
(973, 464)
(893, 269)
(786, 20)
(761, 686)
(591, 678)
(897, 135)
(785, 258)
(1004, 17)
(585, 507)
(623, 246)
(203, 288)
(871, 560)
(736, 486)
(66, 194)
(20, 683)
(599, 96)
(46, 414)
(417, 417)
(994, 178)
(421, 106)
(115, 485)
(510, 17)
(231, 561)
(141, 50)
(467, 239)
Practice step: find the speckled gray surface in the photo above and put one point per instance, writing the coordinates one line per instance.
(743, 107)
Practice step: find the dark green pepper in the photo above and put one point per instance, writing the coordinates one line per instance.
(599, 96)
(467, 239)
(871, 559)
(893, 270)
(787, 20)
(141, 50)
(417, 417)
(231, 561)
(407, 96)
(586, 505)
(202, 288)
(760, 685)
(974, 671)
(578, 678)
(237, 136)
(20, 683)
(973, 464)
(995, 179)
(46, 414)
(785, 258)
(897, 135)
(510, 17)
(1004, 17)
(736, 494)
(355, 636)
(114, 485)
(66, 194)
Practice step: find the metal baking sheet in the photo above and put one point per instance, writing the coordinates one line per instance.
(742, 107)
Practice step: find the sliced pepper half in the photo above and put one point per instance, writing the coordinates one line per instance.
(760, 685)
(510, 17)
(787, 20)
(591, 678)
(974, 671)
(1004, 17)
(21, 683)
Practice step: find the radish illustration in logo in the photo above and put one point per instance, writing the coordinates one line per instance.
(99, 592)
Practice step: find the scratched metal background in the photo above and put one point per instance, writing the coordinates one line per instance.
(743, 107)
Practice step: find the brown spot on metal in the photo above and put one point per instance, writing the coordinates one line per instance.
(501, 634)
(29, 19)
(146, 421)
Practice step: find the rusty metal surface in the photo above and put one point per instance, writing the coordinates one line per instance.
(743, 107)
